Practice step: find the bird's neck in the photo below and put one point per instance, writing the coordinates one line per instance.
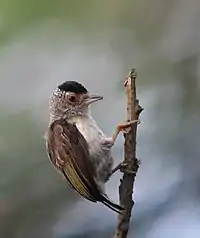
(68, 116)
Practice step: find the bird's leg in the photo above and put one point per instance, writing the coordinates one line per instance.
(123, 168)
(126, 127)
(118, 167)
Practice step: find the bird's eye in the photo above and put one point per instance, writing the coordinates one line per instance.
(72, 98)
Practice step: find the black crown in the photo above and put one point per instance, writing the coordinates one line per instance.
(72, 86)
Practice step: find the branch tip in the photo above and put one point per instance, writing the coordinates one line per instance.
(133, 74)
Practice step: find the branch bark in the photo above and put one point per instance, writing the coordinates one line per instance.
(128, 179)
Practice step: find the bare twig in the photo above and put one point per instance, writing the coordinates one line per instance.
(127, 182)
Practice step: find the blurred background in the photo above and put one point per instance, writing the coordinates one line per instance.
(43, 43)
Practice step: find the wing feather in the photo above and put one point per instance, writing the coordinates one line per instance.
(68, 151)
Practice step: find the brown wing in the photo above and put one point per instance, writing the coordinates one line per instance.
(68, 151)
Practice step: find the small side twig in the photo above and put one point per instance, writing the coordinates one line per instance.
(127, 182)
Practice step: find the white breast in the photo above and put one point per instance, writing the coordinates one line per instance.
(99, 154)
(91, 132)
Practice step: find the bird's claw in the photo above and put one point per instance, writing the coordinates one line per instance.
(123, 168)
(126, 127)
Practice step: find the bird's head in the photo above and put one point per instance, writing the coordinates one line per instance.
(71, 99)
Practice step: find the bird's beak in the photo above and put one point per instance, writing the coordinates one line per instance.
(92, 98)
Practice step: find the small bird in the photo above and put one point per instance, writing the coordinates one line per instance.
(75, 144)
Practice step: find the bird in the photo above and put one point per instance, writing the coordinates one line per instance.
(75, 144)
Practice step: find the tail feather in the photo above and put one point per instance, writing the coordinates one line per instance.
(113, 206)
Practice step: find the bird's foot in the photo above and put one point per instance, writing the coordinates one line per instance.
(123, 168)
(125, 128)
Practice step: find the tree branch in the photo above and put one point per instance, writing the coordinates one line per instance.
(127, 182)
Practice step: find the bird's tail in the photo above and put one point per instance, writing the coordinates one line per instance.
(113, 206)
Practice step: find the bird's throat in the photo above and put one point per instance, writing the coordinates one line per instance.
(88, 128)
